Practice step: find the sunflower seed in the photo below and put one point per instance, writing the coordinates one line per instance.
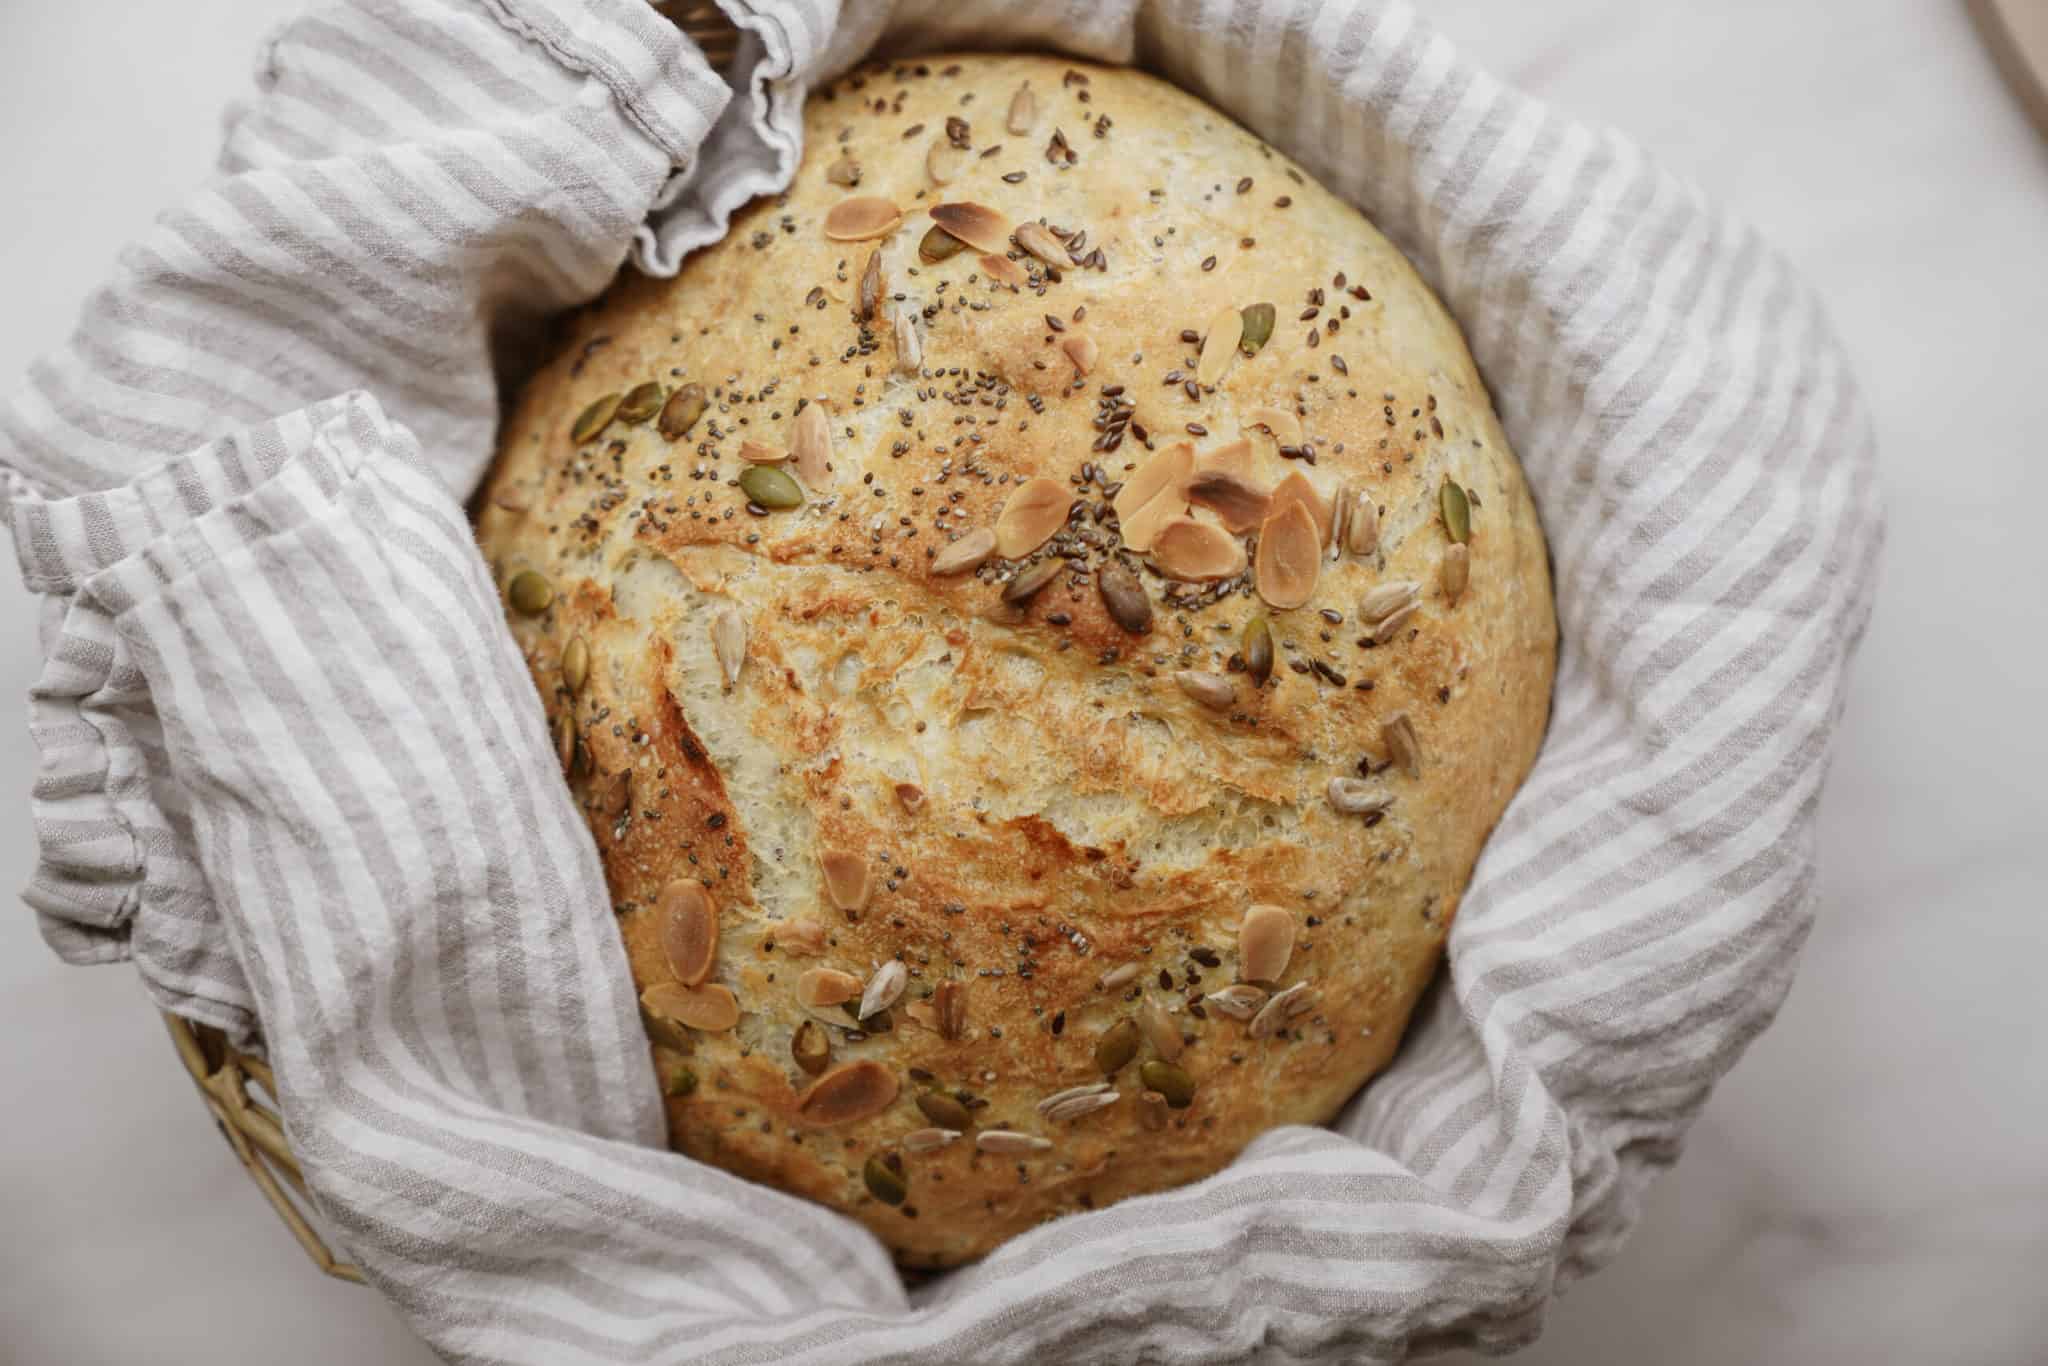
(1282, 1008)
(810, 445)
(1116, 1046)
(944, 161)
(1078, 1106)
(1398, 734)
(689, 931)
(1009, 1143)
(1240, 1002)
(575, 664)
(845, 171)
(729, 643)
(861, 218)
(1160, 1030)
(681, 412)
(926, 1140)
(1169, 1081)
(883, 1182)
(1118, 977)
(1265, 941)
(944, 1110)
(1258, 328)
(969, 552)
(851, 1091)
(1257, 648)
(1073, 1093)
(1456, 510)
(1023, 111)
(884, 987)
(1355, 797)
(770, 487)
(1152, 1110)
(1211, 690)
(1224, 332)
(949, 1003)
(869, 297)
(1124, 598)
(909, 349)
(811, 1047)
(1026, 585)
(593, 420)
(530, 592)
(1457, 571)
(1362, 524)
(1387, 599)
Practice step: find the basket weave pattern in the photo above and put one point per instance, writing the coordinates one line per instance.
(224, 1076)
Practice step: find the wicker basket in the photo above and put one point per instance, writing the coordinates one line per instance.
(248, 1120)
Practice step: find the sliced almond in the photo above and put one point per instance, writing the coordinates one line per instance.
(969, 552)
(851, 1091)
(1239, 503)
(729, 643)
(689, 931)
(1082, 350)
(709, 1008)
(977, 225)
(1234, 459)
(1035, 510)
(1297, 488)
(1037, 239)
(1397, 733)
(810, 445)
(1160, 1030)
(1023, 111)
(1162, 479)
(909, 349)
(759, 453)
(1141, 530)
(823, 988)
(1213, 691)
(845, 171)
(1290, 557)
(1362, 526)
(1225, 331)
(1003, 270)
(944, 162)
(910, 797)
(1196, 552)
(1265, 941)
(1457, 571)
(860, 218)
(1285, 426)
(805, 937)
(847, 880)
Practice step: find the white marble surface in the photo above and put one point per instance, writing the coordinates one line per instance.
(1868, 1187)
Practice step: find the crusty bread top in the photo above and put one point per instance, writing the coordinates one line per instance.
(836, 751)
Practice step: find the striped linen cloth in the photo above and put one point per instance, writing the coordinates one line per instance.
(293, 767)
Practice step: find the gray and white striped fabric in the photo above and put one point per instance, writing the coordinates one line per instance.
(292, 765)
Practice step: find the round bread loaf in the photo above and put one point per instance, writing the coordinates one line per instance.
(1040, 620)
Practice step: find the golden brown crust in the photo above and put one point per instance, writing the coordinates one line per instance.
(1051, 823)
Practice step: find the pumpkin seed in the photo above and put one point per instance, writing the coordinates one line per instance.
(1241, 505)
(1211, 690)
(937, 245)
(729, 643)
(949, 1003)
(1026, 585)
(851, 1091)
(565, 740)
(861, 218)
(1196, 552)
(811, 1047)
(1023, 111)
(1265, 941)
(977, 225)
(594, 419)
(1456, 509)
(1258, 328)
(530, 592)
(883, 988)
(969, 552)
(771, 488)
(883, 1183)
(689, 931)
(1257, 649)
(575, 664)
(1124, 598)
(1116, 1046)
(677, 1077)
(1169, 1081)
(1356, 797)
(1240, 1002)
(1290, 557)
(926, 1140)
(944, 1111)
(847, 880)
(1224, 332)
(1009, 1143)
(1398, 734)
(641, 402)
(1457, 571)
(681, 412)
(1160, 1030)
